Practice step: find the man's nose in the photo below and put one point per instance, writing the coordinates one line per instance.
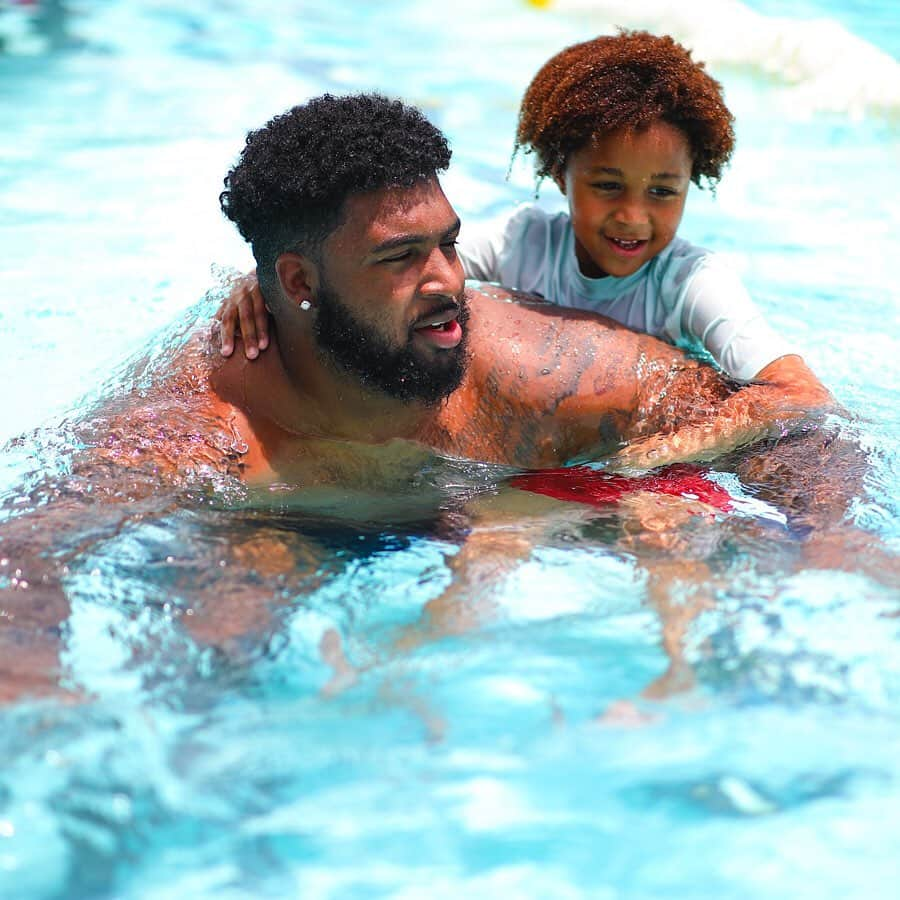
(443, 273)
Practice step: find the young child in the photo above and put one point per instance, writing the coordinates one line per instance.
(622, 124)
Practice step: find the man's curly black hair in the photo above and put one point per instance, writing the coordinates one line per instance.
(287, 190)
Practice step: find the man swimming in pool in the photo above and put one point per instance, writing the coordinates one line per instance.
(382, 358)
(377, 340)
(382, 363)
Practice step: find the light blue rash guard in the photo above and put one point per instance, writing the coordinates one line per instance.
(684, 295)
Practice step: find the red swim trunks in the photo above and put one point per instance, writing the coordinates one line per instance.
(586, 485)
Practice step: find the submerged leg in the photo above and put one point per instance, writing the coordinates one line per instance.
(814, 478)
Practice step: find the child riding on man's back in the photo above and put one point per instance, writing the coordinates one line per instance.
(622, 124)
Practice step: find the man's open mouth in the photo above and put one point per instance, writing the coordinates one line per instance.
(440, 329)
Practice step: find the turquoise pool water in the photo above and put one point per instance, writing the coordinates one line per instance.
(494, 762)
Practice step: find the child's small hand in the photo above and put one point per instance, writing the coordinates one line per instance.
(244, 312)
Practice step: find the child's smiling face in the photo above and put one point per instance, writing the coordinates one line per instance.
(626, 193)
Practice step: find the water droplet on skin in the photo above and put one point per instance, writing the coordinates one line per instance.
(545, 371)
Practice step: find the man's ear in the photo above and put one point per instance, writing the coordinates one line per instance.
(298, 277)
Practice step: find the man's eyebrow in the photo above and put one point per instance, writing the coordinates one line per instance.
(402, 240)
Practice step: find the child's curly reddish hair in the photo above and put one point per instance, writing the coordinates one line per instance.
(624, 81)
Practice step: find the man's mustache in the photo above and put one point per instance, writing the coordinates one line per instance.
(457, 306)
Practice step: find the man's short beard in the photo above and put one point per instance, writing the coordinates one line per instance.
(398, 371)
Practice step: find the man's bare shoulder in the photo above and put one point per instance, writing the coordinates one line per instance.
(547, 384)
(169, 423)
(512, 326)
(541, 385)
(482, 294)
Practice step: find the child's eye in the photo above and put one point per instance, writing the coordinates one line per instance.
(606, 185)
(663, 192)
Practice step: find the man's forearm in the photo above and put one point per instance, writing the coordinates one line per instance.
(785, 393)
